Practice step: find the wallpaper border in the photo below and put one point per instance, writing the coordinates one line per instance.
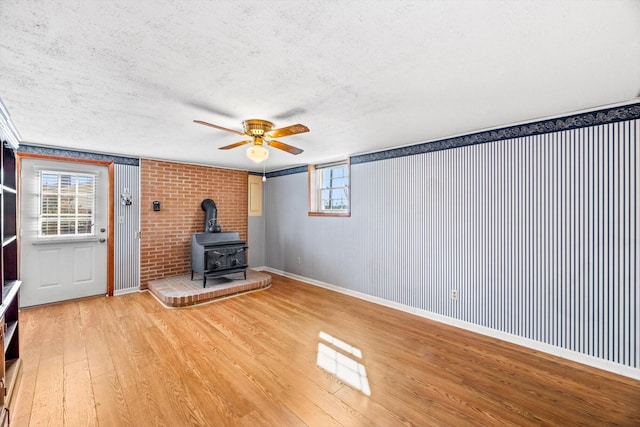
(26, 148)
(574, 121)
(290, 171)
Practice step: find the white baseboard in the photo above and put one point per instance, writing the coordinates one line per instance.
(574, 356)
(126, 291)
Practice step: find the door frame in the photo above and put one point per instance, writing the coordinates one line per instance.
(110, 218)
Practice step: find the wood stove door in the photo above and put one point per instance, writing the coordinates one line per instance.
(216, 259)
(236, 256)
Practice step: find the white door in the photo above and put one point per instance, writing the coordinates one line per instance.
(64, 229)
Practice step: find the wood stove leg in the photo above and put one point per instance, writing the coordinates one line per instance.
(204, 280)
(191, 274)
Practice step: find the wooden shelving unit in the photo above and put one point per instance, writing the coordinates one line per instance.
(9, 307)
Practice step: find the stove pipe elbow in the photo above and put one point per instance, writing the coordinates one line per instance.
(210, 216)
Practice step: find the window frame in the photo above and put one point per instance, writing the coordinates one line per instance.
(316, 188)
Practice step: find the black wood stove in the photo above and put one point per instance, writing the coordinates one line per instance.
(215, 253)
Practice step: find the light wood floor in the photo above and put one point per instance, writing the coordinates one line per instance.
(252, 360)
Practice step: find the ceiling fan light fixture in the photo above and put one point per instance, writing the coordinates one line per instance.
(257, 153)
(260, 132)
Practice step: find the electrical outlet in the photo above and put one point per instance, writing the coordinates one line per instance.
(454, 294)
(298, 259)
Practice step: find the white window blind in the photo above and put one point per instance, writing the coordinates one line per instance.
(67, 204)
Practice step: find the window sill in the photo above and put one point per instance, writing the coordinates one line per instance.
(335, 214)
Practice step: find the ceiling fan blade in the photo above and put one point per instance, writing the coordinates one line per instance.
(219, 127)
(286, 131)
(285, 147)
(237, 144)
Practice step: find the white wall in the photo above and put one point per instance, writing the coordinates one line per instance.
(256, 240)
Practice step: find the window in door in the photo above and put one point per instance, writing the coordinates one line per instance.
(67, 204)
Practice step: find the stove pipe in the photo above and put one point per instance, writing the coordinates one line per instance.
(210, 216)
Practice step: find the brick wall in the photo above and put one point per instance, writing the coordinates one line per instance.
(165, 245)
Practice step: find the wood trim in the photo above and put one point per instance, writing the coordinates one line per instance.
(111, 234)
(63, 159)
(110, 219)
(310, 170)
(344, 215)
(18, 196)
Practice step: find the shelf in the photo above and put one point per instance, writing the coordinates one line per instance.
(11, 377)
(8, 167)
(8, 335)
(9, 239)
(10, 291)
(8, 212)
(9, 273)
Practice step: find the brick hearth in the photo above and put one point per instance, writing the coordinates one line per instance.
(181, 291)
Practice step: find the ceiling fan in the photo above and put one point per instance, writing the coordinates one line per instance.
(261, 134)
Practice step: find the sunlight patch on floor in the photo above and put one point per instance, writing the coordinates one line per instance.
(342, 365)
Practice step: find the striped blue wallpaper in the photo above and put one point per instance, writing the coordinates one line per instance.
(127, 223)
(538, 234)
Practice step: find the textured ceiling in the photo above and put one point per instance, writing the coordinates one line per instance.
(129, 77)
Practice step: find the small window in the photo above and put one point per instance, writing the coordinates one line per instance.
(329, 189)
(67, 204)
